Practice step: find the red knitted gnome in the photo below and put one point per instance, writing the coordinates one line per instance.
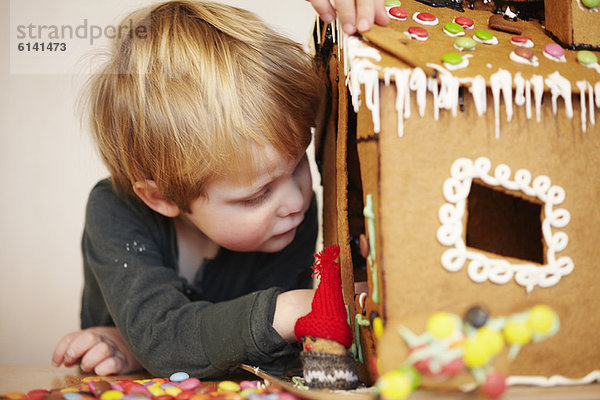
(325, 332)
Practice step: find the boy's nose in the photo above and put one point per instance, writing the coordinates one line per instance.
(292, 200)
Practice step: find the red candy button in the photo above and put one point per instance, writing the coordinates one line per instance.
(520, 39)
(399, 12)
(418, 31)
(427, 17)
(464, 22)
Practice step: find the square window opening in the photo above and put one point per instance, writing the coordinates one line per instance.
(503, 224)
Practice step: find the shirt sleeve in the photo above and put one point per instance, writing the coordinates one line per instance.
(132, 281)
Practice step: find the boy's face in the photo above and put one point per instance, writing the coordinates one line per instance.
(261, 215)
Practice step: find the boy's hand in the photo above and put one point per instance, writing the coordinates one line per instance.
(291, 306)
(353, 14)
(100, 349)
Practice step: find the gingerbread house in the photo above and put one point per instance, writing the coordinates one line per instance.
(461, 181)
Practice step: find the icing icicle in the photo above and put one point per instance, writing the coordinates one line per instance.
(560, 87)
(501, 83)
(582, 85)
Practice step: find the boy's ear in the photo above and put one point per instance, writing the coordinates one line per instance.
(153, 198)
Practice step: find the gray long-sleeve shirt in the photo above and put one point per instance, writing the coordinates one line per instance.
(205, 328)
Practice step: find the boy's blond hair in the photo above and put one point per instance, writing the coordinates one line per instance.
(191, 90)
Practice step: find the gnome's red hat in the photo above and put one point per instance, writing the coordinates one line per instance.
(328, 318)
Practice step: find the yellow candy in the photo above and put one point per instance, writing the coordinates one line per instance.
(111, 395)
(517, 332)
(441, 325)
(541, 319)
(491, 339)
(14, 395)
(477, 353)
(395, 385)
(378, 327)
(155, 390)
(172, 390)
(228, 386)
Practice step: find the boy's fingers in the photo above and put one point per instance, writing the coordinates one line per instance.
(96, 355)
(82, 342)
(365, 15)
(381, 16)
(324, 9)
(110, 366)
(346, 10)
(61, 348)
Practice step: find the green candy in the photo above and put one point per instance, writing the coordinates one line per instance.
(453, 28)
(393, 3)
(452, 58)
(591, 3)
(483, 35)
(465, 43)
(586, 57)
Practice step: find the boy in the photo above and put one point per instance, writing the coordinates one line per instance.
(199, 247)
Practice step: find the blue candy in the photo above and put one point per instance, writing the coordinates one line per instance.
(179, 377)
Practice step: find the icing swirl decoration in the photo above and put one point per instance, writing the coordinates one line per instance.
(482, 268)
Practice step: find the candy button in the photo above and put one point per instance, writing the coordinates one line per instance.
(465, 22)
(452, 59)
(393, 3)
(586, 57)
(442, 324)
(453, 28)
(399, 12)
(426, 17)
(228, 386)
(465, 43)
(494, 385)
(520, 40)
(524, 52)
(491, 339)
(554, 50)
(476, 353)
(541, 319)
(173, 391)
(591, 3)
(111, 395)
(179, 377)
(418, 32)
(14, 395)
(189, 384)
(476, 316)
(395, 385)
(517, 332)
(483, 35)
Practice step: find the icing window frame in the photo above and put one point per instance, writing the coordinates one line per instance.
(482, 268)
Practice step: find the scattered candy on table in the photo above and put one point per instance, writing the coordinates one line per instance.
(180, 386)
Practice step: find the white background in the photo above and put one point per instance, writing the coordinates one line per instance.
(48, 165)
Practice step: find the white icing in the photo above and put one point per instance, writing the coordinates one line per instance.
(416, 37)
(522, 60)
(537, 81)
(593, 66)
(582, 85)
(447, 97)
(481, 268)
(528, 99)
(585, 8)
(492, 41)
(479, 93)
(591, 102)
(432, 86)
(528, 44)
(365, 73)
(418, 84)
(508, 12)
(501, 83)
(461, 33)
(560, 87)
(415, 18)
(555, 380)
(519, 89)
(557, 59)
(402, 77)
(597, 91)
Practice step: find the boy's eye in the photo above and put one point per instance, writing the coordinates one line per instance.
(257, 199)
